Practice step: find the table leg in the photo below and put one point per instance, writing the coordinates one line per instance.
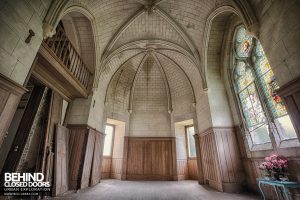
(281, 192)
(286, 193)
(276, 192)
(261, 190)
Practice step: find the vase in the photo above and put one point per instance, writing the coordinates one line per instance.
(276, 176)
(284, 179)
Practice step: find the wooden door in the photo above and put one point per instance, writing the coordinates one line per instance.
(97, 159)
(87, 160)
(61, 160)
(22, 134)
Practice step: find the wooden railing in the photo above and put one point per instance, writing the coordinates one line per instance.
(63, 49)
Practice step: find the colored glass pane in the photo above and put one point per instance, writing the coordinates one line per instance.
(269, 86)
(261, 65)
(243, 76)
(243, 43)
(268, 82)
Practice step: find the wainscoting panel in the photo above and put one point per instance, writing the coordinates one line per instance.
(208, 151)
(221, 159)
(229, 157)
(192, 169)
(116, 168)
(182, 169)
(106, 168)
(151, 158)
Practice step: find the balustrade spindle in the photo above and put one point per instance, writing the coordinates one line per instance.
(72, 59)
(67, 52)
(62, 49)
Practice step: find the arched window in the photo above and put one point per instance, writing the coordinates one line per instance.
(255, 86)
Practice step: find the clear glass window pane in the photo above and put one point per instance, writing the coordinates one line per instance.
(260, 135)
(109, 131)
(243, 76)
(286, 128)
(191, 141)
(252, 108)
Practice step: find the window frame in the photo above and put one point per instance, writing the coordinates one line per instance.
(112, 141)
(270, 119)
(187, 142)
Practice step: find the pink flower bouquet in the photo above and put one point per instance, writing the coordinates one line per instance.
(274, 165)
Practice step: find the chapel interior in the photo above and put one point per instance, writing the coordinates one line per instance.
(185, 97)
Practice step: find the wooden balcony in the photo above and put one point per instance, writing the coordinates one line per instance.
(61, 68)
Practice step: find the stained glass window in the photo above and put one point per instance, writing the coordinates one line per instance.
(244, 79)
(253, 73)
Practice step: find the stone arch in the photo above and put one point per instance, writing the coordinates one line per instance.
(213, 54)
(248, 19)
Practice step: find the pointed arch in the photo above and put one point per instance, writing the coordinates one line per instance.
(247, 18)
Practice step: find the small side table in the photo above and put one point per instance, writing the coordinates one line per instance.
(284, 184)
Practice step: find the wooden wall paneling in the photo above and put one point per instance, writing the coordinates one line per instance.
(135, 157)
(148, 149)
(221, 159)
(97, 158)
(229, 159)
(225, 162)
(150, 158)
(116, 168)
(174, 156)
(182, 169)
(192, 168)
(106, 168)
(210, 160)
(61, 161)
(125, 158)
(199, 159)
(10, 95)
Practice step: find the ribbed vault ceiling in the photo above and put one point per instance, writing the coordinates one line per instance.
(169, 32)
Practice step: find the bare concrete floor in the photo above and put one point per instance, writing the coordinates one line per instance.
(154, 190)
